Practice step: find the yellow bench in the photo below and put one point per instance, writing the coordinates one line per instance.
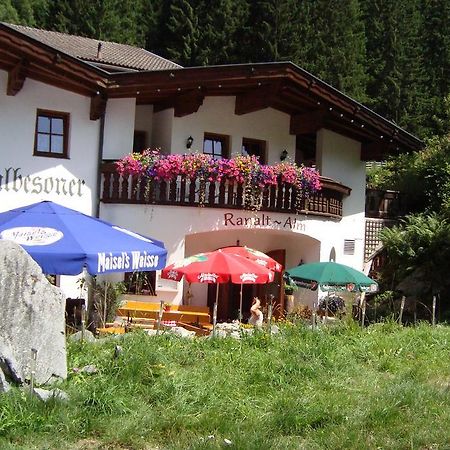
(178, 313)
(111, 330)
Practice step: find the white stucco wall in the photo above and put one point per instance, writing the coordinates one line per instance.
(187, 230)
(216, 115)
(71, 182)
(184, 230)
(143, 121)
(162, 130)
(119, 127)
(338, 157)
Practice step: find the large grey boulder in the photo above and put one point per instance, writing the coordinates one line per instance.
(4, 385)
(46, 395)
(85, 335)
(31, 319)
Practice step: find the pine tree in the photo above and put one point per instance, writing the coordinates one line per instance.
(331, 44)
(8, 12)
(150, 22)
(67, 18)
(109, 20)
(24, 9)
(270, 33)
(41, 15)
(397, 86)
(32, 13)
(219, 22)
(180, 32)
(121, 21)
(435, 36)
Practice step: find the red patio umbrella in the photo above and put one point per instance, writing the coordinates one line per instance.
(256, 256)
(218, 267)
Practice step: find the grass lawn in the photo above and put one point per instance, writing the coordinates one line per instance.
(382, 387)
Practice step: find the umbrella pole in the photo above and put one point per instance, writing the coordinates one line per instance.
(314, 316)
(215, 310)
(160, 314)
(240, 305)
(105, 302)
(363, 312)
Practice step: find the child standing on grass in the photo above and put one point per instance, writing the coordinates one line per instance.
(256, 315)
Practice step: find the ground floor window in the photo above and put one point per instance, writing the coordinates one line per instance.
(143, 283)
(53, 279)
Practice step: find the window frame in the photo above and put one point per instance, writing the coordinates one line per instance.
(261, 143)
(66, 122)
(139, 141)
(136, 283)
(225, 139)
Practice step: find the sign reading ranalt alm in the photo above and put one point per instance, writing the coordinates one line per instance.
(12, 180)
(262, 221)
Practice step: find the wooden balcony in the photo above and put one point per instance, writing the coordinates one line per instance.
(382, 204)
(185, 192)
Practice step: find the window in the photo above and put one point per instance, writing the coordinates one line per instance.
(254, 147)
(305, 151)
(140, 282)
(51, 135)
(53, 279)
(216, 145)
(139, 141)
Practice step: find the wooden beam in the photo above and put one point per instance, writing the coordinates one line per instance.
(375, 150)
(256, 99)
(98, 106)
(188, 103)
(307, 123)
(183, 104)
(16, 77)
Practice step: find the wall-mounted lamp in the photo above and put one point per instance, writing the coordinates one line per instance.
(283, 155)
(189, 142)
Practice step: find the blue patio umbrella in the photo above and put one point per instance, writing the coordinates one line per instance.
(64, 241)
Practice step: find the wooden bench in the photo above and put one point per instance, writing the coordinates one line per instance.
(179, 313)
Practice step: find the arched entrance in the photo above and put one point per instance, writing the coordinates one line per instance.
(286, 247)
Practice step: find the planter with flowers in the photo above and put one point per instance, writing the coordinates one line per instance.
(253, 180)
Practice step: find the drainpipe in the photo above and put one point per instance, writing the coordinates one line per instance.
(99, 164)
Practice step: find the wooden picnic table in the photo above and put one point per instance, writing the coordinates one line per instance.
(179, 313)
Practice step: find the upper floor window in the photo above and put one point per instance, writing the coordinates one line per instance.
(139, 141)
(254, 147)
(305, 150)
(52, 133)
(216, 145)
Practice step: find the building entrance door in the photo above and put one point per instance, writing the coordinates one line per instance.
(273, 292)
(229, 293)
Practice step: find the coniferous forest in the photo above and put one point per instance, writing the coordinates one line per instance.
(391, 55)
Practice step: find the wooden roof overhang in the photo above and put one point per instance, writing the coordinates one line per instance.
(24, 57)
(311, 103)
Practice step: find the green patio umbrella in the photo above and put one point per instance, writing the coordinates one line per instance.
(331, 276)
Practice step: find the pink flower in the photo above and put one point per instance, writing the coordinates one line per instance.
(240, 169)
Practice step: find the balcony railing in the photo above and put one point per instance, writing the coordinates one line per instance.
(185, 192)
(382, 204)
